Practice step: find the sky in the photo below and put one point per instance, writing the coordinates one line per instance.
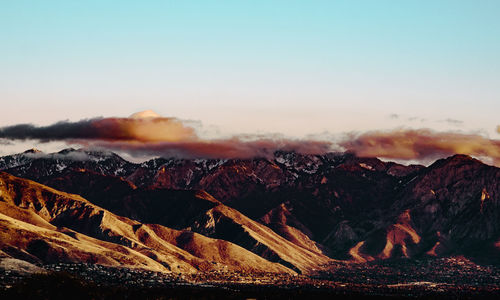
(300, 69)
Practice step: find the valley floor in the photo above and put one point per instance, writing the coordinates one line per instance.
(431, 278)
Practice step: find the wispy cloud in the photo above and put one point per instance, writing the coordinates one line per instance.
(218, 148)
(149, 134)
(421, 144)
(453, 121)
(5, 142)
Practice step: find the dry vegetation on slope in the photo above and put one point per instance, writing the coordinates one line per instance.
(41, 224)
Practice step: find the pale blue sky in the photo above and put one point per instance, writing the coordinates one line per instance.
(294, 67)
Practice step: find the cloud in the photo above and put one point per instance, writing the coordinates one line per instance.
(5, 142)
(415, 119)
(421, 144)
(147, 133)
(145, 115)
(453, 121)
(220, 148)
(111, 129)
(71, 155)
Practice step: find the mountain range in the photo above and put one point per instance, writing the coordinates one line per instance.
(292, 213)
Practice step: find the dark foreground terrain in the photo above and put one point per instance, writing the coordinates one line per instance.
(444, 278)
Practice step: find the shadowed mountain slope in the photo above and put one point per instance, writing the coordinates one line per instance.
(451, 207)
(198, 211)
(40, 224)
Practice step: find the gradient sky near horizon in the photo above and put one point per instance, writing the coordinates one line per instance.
(290, 67)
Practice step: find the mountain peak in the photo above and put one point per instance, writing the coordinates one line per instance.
(32, 150)
(460, 157)
(457, 159)
(67, 150)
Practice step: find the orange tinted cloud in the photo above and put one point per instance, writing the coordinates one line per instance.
(147, 133)
(143, 130)
(111, 129)
(218, 148)
(422, 144)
